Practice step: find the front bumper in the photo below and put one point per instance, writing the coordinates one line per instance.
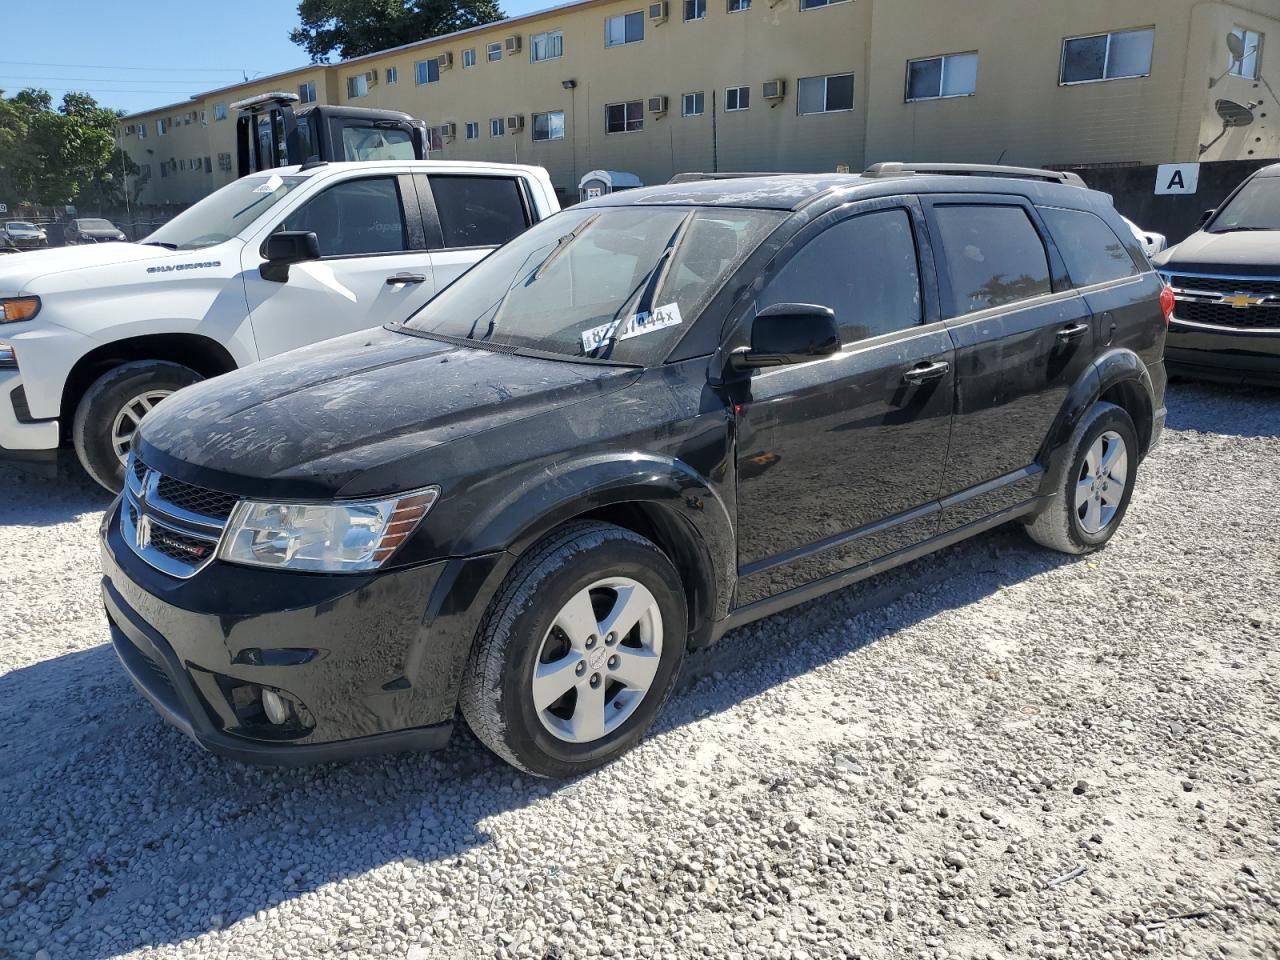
(1223, 353)
(21, 437)
(372, 663)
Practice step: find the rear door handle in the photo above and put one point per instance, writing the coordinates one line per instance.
(400, 278)
(1073, 332)
(925, 372)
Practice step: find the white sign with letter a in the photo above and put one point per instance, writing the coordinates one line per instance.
(1177, 178)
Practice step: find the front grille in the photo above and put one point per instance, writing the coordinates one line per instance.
(1254, 286)
(173, 525)
(1221, 301)
(181, 547)
(1224, 315)
(189, 497)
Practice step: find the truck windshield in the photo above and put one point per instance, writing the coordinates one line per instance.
(225, 213)
(605, 283)
(374, 143)
(1255, 207)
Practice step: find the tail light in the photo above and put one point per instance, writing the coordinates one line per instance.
(1167, 300)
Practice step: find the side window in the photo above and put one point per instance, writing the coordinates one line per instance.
(376, 143)
(993, 256)
(354, 218)
(864, 268)
(1093, 252)
(478, 211)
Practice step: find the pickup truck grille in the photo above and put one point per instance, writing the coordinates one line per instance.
(172, 525)
(1236, 303)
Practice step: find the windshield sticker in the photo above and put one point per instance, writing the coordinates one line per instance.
(634, 326)
(273, 183)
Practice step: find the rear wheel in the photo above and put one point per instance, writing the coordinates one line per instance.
(578, 652)
(112, 408)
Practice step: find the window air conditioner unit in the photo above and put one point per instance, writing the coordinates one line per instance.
(775, 89)
(445, 60)
(512, 44)
(658, 12)
(371, 77)
(449, 131)
(657, 104)
(515, 124)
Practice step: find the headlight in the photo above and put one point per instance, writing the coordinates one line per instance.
(344, 537)
(13, 309)
(8, 358)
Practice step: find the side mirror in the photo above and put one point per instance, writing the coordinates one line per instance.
(1205, 218)
(789, 333)
(285, 248)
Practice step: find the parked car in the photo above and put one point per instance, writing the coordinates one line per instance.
(1153, 243)
(91, 230)
(652, 418)
(95, 336)
(1226, 277)
(23, 235)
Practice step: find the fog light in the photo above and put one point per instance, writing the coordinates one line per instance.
(276, 707)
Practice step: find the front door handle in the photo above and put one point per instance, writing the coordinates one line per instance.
(400, 278)
(1073, 332)
(924, 372)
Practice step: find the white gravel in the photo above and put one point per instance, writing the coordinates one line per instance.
(1023, 755)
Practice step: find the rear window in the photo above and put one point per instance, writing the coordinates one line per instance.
(1091, 249)
(993, 256)
(478, 211)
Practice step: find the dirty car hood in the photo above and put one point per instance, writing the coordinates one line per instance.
(1246, 253)
(308, 422)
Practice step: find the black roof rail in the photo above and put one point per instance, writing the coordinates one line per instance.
(894, 169)
(695, 177)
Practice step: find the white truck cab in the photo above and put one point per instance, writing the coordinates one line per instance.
(92, 337)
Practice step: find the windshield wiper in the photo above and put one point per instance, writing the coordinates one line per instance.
(160, 243)
(561, 246)
(649, 283)
(1244, 229)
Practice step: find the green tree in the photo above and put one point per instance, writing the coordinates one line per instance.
(353, 28)
(59, 156)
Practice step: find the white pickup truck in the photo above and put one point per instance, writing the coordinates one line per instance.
(93, 336)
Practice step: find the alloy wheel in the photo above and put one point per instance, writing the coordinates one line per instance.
(1101, 483)
(127, 420)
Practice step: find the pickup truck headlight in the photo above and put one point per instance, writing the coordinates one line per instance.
(342, 537)
(13, 309)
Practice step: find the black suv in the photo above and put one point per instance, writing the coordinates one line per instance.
(649, 419)
(1226, 276)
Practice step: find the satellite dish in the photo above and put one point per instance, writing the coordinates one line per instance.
(1235, 43)
(1234, 114)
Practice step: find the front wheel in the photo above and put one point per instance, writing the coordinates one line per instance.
(578, 652)
(112, 408)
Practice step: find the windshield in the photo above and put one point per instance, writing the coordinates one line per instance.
(610, 283)
(21, 225)
(372, 143)
(1255, 207)
(95, 225)
(225, 213)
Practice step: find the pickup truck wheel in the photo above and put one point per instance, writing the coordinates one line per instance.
(578, 651)
(1093, 494)
(111, 409)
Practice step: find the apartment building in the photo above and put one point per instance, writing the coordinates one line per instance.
(653, 88)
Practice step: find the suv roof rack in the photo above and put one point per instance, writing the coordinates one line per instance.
(972, 170)
(696, 176)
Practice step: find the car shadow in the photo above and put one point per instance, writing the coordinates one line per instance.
(1229, 410)
(117, 833)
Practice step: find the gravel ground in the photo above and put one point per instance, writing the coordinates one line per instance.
(993, 752)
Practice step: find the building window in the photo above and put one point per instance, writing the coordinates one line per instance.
(624, 28)
(1250, 65)
(829, 94)
(224, 161)
(548, 126)
(435, 139)
(144, 171)
(219, 112)
(204, 118)
(357, 86)
(473, 130)
(737, 98)
(691, 104)
(932, 78)
(426, 71)
(142, 131)
(497, 127)
(468, 58)
(162, 127)
(624, 117)
(1107, 56)
(393, 75)
(814, 4)
(494, 52)
(695, 9)
(306, 93)
(736, 5)
(546, 46)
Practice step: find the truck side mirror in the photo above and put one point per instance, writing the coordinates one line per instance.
(789, 333)
(1205, 218)
(284, 248)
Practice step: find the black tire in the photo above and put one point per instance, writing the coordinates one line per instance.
(1060, 526)
(497, 698)
(103, 402)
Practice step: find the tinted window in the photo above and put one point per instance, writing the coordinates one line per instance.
(993, 256)
(354, 218)
(374, 143)
(864, 269)
(478, 211)
(1093, 252)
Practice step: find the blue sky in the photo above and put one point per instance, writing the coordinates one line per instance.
(135, 54)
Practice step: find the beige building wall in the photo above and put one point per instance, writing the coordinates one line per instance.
(1019, 114)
